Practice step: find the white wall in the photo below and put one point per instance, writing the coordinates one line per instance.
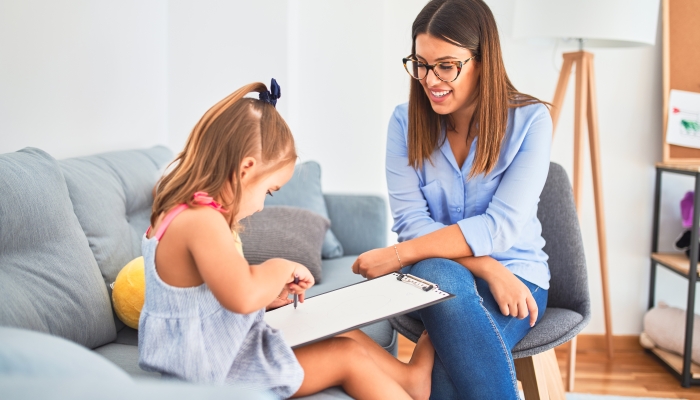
(215, 47)
(79, 77)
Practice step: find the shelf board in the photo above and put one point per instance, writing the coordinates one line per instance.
(692, 167)
(676, 261)
(676, 362)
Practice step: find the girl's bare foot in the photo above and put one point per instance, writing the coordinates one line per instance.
(421, 367)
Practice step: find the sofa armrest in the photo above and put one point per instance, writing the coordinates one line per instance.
(358, 221)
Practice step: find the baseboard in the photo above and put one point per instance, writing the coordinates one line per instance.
(597, 342)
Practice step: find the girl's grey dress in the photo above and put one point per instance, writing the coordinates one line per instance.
(184, 333)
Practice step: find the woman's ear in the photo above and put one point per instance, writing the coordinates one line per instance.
(248, 166)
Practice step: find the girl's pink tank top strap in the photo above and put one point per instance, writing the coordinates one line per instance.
(168, 219)
(199, 198)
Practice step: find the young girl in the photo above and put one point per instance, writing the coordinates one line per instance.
(202, 320)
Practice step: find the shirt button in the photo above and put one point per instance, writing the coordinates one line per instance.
(459, 210)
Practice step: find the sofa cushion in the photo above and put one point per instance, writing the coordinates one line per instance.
(25, 353)
(304, 191)
(112, 197)
(49, 280)
(81, 389)
(285, 232)
(337, 273)
(127, 358)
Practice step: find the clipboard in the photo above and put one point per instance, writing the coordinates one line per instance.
(352, 307)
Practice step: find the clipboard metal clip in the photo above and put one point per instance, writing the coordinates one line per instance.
(416, 281)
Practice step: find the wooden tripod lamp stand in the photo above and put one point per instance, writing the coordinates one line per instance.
(594, 23)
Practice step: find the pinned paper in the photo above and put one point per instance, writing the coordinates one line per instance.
(683, 128)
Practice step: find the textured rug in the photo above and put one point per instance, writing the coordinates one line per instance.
(581, 396)
(584, 396)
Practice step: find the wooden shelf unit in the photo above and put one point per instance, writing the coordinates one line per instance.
(686, 371)
(675, 362)
(678, 262)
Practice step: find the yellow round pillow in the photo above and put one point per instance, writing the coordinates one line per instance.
(129, 292)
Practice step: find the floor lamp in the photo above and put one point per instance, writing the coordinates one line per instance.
(592, 23)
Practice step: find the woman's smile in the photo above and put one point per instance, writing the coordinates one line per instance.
(438, 95)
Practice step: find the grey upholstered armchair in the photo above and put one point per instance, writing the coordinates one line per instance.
(568, 310)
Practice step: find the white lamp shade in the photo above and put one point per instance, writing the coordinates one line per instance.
(600, 23)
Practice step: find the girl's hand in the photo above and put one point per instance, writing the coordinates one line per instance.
(511, 294)
(279, 301)
(306, 280)
(377, 262)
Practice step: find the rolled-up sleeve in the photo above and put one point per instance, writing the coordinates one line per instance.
(408, 205)
(517, 195)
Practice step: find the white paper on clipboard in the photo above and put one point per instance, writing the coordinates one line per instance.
(352, 307)
(683, 127)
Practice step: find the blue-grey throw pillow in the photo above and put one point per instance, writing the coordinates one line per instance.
(24, 353)
(49, 280)
(304, 191)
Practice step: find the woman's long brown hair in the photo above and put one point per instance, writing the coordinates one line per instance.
(471, 25)
(233, 129)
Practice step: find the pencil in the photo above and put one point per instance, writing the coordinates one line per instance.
(296, 296)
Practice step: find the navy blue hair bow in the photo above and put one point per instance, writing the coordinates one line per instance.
(271, 96)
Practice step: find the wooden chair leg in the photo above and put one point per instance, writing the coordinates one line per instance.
(572, 365)
(530, 372)
(553, 375)
(540, 377)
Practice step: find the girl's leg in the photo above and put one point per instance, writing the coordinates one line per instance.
(414, 377)
(342, 361)
(467, 335)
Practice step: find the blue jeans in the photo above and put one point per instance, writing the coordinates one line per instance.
(472, 339)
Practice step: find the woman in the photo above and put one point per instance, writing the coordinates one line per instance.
(466, 161)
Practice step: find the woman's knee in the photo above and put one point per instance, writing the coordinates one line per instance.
(449, 275)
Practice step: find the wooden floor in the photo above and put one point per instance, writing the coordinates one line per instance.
(631, 372)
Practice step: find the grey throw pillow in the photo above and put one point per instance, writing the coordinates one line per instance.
(285, 232)
(49, 280)
(304, 191)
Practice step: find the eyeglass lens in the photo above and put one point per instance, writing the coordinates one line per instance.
(446, 71)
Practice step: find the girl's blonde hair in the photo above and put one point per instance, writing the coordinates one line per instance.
(233, 129)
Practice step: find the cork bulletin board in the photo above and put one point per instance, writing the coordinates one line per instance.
(681, 65)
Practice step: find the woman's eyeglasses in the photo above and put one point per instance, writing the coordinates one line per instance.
(446, 71)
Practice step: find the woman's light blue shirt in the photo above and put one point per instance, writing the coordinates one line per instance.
(497, 213)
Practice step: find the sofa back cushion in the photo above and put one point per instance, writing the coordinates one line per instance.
(112, 197)
(49, 280)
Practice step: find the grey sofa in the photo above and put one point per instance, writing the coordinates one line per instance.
(67, 228)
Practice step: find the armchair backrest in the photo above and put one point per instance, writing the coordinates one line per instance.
(564, 245)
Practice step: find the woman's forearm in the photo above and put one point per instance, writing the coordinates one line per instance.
(447, 242)
(482, 267)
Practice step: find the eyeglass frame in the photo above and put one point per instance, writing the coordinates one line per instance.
(429, 67)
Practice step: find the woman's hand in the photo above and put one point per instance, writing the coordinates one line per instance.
(511, 294)
(377, 262)
(306, 280)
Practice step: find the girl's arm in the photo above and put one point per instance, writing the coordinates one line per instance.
(238, 286)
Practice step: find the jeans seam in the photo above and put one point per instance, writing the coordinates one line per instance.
(506, 352)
